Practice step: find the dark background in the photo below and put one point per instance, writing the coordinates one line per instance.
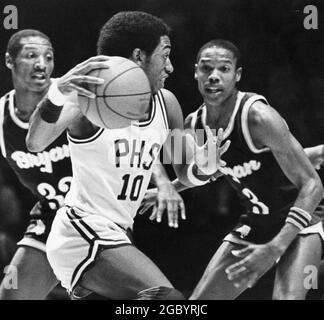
(281, 60)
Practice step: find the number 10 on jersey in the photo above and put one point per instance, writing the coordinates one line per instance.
(131, 187)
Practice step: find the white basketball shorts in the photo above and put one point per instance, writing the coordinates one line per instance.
(75, 240)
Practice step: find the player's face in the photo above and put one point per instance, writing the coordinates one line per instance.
(159, 67)
(33, 66)
(216, 74)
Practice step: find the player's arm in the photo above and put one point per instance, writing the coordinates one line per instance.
(59, 108)
(316, 155)
(193, 165)
(268, 129)
(163, 198)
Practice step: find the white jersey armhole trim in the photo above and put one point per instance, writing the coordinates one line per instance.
(163, 109)
(90, 139)
(15, 119)
(245, 126)
(2, 143)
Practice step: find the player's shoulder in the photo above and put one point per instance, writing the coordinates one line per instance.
(260, 113)
(173, 109)
(263, 118)
(169, 97)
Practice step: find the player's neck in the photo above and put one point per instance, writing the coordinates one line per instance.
(25, 103)
(218, 116)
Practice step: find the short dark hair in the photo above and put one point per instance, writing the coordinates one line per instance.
(14, 44)
(225, 45)
(128, 30)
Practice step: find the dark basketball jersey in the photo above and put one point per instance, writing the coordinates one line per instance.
(265, 191)
(46, 174)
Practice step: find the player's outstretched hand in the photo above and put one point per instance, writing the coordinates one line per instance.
(208, 156)
(166, 198)
(316, 155)
(256, 261)
(77, 76)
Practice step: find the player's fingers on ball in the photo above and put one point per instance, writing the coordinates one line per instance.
(99, 58)
(87, 79)
(81, 91)
(93, 66)
(94, 80)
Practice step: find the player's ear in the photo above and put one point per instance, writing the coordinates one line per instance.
(138, 56)
(238, 74)
(9, 61)
(196, 67)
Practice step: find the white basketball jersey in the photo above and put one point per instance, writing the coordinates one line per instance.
(112, 169)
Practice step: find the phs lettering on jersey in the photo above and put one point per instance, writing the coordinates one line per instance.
(43, 160)
(130, 152)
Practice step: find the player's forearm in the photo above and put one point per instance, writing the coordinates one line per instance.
(179, 186)
(309, 198)
(280, 243)
(40, 133)
(159, 175)
(300, 216)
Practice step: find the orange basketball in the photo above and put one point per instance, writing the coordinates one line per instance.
(123, 97)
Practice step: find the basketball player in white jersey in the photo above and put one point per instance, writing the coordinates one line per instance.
(90, 247)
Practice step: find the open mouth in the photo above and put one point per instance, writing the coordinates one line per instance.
(39, 76)
(213, 90)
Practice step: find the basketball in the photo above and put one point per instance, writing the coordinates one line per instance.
(123, 97)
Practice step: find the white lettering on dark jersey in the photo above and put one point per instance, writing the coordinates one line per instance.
(241, 171)
(44, 160)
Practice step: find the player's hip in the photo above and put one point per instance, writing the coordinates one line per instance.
(76, 240)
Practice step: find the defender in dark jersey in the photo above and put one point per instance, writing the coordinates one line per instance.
(272, 175)
(46, 174)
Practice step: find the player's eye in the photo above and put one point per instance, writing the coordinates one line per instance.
(166, 56)
(49, 57)
(31, 55)
(205, 68)
(225, 68)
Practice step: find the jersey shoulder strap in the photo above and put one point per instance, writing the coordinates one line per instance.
(4, 101)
